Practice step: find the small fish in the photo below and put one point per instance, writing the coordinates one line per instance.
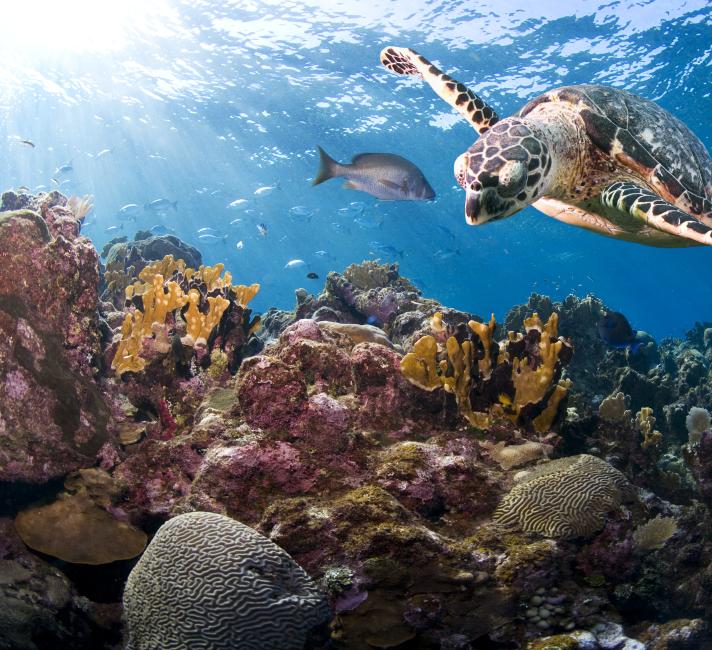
(114, 228)
(129, 211)
(160, 229)
(207, 230)
(238, 204)
(240, 245)
(104, 152)
(386, 176)
(386, 249)
(209, 239)
(445, 231)
(445, 253)
(160, 204)
(368, 223)
(262, 229)
(27, 143)
(295, 264)
(312, 276)
(322, 254)
(504, 399)
(301, 211)
(236, 222)
(265, 190)
(64, 169)
(24, 189)
(615, 330)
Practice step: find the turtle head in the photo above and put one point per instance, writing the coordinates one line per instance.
(503, 172)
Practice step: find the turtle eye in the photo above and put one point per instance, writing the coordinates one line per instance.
(512, 178)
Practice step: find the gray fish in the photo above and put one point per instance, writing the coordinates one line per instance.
(129, 211)
(384, 175)
(160, 229)
(211, 239)
(385, 249)
(64, 169)
(160, 204)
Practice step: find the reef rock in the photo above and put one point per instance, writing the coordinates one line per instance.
(53, 418)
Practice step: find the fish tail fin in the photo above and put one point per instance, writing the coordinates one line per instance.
(175, 205)
(328, 167)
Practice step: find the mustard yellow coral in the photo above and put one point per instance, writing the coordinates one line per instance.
(485, 332)
(531, 361)
(199, 325)
(165, 287)
(127, 357)
(244, 293)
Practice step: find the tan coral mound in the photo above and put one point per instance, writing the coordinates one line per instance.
(564, 498)
(76, 530)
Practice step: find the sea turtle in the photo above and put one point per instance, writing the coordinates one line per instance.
(592, 156)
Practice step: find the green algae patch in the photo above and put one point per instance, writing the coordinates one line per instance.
(558, 642)
(221, 399)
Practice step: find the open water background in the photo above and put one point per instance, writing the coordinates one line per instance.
(205, 102)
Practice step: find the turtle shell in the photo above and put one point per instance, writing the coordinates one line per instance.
(642, 136)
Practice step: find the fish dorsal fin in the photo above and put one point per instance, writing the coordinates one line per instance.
(378, 158)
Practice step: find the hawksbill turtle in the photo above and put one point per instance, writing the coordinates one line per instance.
(592, 156)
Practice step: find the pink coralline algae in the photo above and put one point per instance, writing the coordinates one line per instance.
(246, 476)
(49, 346)
(271, 393)
(156, 475)
(323, 424)
(272, 388)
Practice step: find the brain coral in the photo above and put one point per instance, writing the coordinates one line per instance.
(564, 498)
(208, 581)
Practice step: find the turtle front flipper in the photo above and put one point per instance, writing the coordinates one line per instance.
(475, 110)
(657, 213)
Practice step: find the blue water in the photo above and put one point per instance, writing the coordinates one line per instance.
(205, 102)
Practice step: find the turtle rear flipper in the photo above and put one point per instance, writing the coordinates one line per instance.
(655, 211)
(474, 109)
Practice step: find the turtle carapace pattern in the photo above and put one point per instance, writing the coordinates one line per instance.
(591, 156)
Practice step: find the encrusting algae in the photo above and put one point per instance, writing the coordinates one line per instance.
(196, 299)
(519, 377)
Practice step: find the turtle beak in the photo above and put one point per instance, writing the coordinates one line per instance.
(473, 207)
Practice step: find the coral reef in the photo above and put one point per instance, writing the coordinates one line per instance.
(574, 513)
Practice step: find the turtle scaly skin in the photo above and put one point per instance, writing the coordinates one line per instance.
(473, 108)
(596, 157)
